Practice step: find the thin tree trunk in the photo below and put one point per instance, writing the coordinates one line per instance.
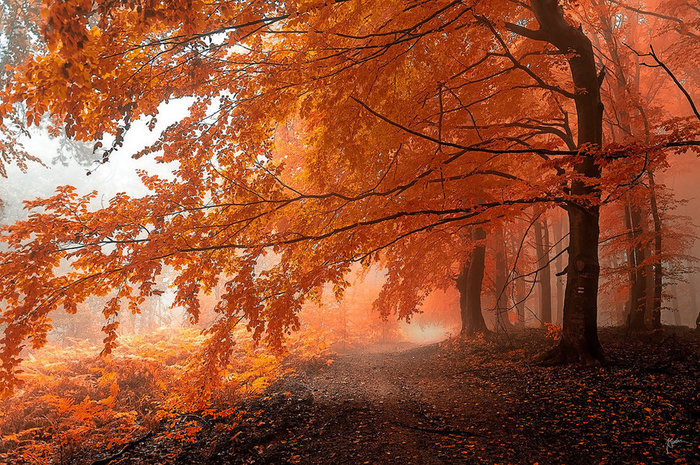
(469, 285)
(518, 288)
(502, 319)
(559, 267)
(520, 298)
(658, 265)
(693, 302)
(638, 285)
(677, 310)
(579, 341)
(544, 276)
(631, 276)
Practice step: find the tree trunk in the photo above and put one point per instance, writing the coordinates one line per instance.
(502, 319)
(544, 276)
(693, 303)
(635, 257)
(559, 267)
(469, 286)
(677, 310)
(658, 265)
(579, 341)
(520, 297)
(631, 275)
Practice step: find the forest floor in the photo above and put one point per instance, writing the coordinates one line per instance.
(463, 402)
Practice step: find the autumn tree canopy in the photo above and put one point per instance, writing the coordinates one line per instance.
(320, 134)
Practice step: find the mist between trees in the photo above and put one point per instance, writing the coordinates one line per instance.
(351, 172)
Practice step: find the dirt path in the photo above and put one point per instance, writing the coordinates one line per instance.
(463, 403)
(386, 409)
(401, 407)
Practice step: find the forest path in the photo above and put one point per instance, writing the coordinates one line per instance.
(464, 402)
(401, 407)
(409, 403)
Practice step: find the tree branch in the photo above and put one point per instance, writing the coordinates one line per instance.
(525, 32)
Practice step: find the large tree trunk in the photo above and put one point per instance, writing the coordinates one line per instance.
(469, 286)
(579, 341)
(544, 276)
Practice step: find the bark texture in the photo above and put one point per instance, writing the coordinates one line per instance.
(579, 341)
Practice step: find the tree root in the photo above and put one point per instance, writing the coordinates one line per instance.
(566, 354)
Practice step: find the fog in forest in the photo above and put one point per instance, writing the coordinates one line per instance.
(354, 320)
(349, 232)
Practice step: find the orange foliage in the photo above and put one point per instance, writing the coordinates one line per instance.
(320, 135)
(73, 402)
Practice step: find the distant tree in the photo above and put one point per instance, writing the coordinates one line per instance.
(544, 275)
(640, 95)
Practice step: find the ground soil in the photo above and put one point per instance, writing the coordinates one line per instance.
(462, 402)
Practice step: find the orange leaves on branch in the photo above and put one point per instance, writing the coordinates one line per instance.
(318, 135)
(110, 340)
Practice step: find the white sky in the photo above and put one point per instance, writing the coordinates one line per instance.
(118, 175)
